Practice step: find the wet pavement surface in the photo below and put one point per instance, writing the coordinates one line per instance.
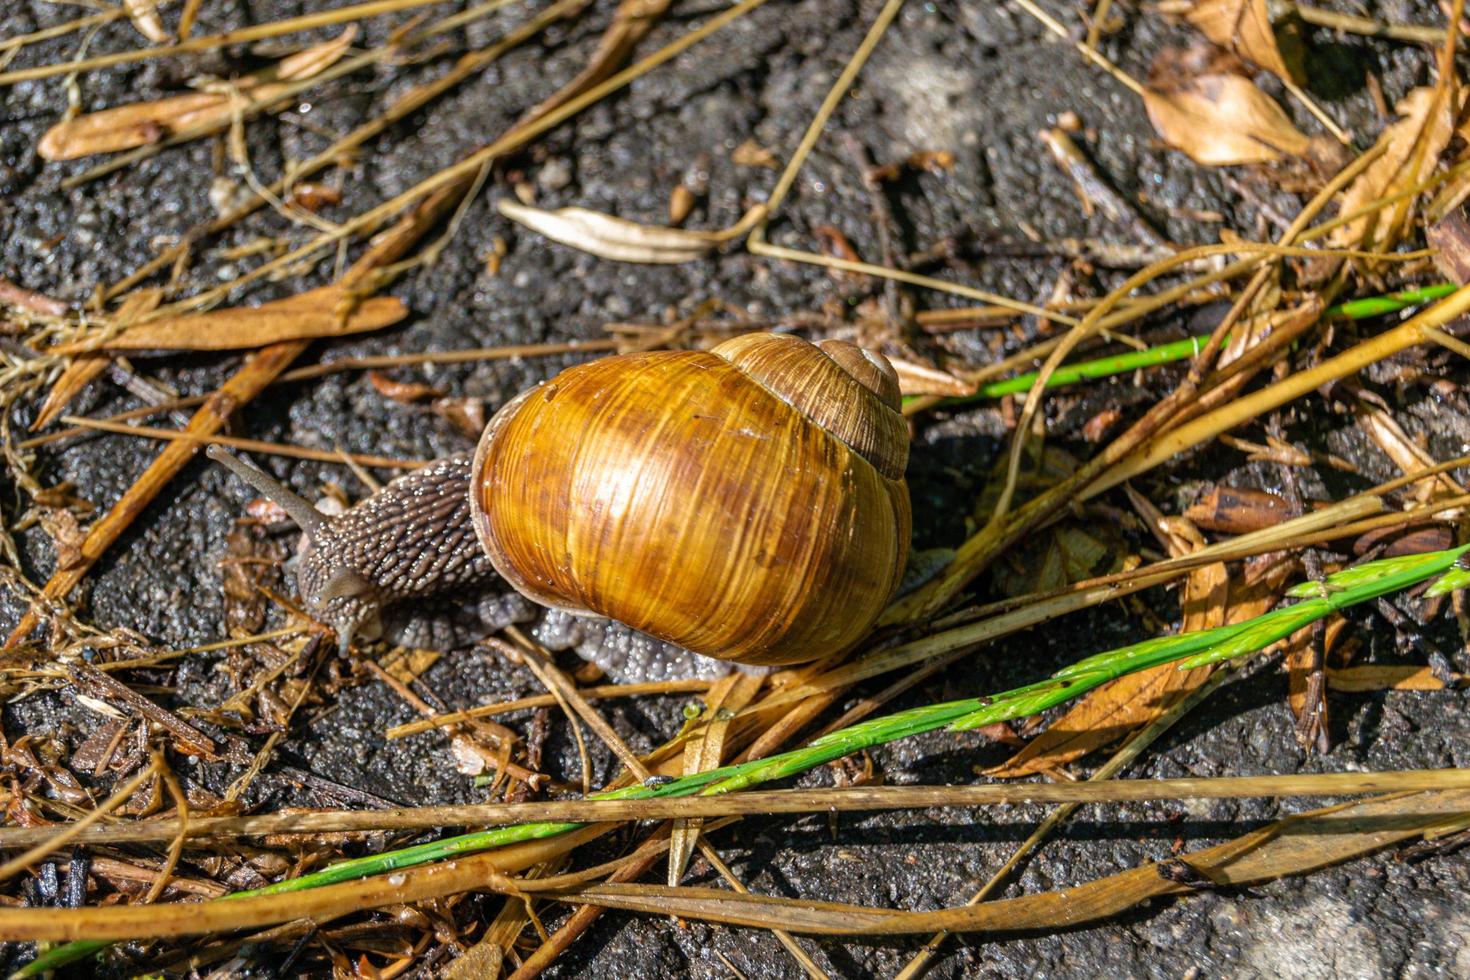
(976, 79)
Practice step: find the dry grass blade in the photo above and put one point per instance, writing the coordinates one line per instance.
(442, 191)
(1410, 150)
(254, 375)
(1111, 769)
(60, 838)
(704, 752)
(546, 701)
(1410, 458)
(141, 123)
(342, 149)
(631, 23)
(1296, 845)
(622, 240)
(82, 370)
(243, 35)
(1010, 617)
(845, 800)
(304, 316)
(1371, 351)
(195, 918)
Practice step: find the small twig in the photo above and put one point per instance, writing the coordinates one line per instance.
(1097, 191)
(1096, 21)
(187, 17)
(176, 848)
(1091, 54)
(899, 312)
(547, 700)
(1349, 24)
(250, 445)
(55, 840)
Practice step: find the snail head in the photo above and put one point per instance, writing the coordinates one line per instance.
(332, 591)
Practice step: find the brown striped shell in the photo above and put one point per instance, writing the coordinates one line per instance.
(746, 503)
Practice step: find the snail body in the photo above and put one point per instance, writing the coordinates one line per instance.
(746, 503)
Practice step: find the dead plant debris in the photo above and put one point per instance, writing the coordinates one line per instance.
(1188, 415)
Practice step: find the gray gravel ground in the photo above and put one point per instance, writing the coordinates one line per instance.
(978, 79)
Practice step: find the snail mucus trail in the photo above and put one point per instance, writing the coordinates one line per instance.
(746, 503)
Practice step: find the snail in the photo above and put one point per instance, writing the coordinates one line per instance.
(746, 503)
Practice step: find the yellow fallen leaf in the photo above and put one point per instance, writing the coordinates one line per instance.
(1242, 26)
(1222, 119)
(618, 238)
(1411, 148)
(128, 126)
(303, 316)
(1384, 677)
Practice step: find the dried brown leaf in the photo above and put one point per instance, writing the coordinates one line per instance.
(481, 960)
(681, 202)
(304, 316)
(1097, 427)
(1408, 456)
(66, 534)
(408, 664)
(705, 751)
(618, 238)
(403, 392)
(1450, 237)
(144, 15)
(140, 123)
(1238, 510)
(752, 154)
(1395, 542)
(835, 243)
(1060, 554)
(1242, 26)
(933, 161)
(465, 414)
(1411, 150)
(1115, 710)
(1221, 119)
(1386, 677)
(251, 561)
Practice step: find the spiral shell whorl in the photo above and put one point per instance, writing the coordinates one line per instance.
(850, 392)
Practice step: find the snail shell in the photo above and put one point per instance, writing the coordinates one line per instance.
(746, 503)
